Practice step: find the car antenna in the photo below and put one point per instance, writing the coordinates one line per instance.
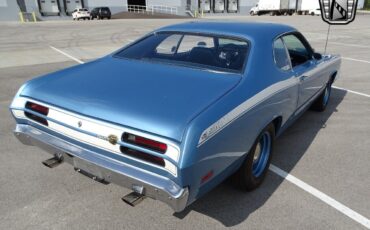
(327, 38)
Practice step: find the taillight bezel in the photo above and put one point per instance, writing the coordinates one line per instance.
(144, 142)
(40, 109)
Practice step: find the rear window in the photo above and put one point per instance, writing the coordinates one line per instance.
(82, 9)
(193, 50)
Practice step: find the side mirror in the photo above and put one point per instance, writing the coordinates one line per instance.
(317, 56)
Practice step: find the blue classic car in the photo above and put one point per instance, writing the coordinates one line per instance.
(175, 113)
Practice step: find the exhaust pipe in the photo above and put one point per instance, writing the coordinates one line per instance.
(54, 161)
(133, 199)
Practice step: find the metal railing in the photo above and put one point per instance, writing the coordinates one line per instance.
(152, 9)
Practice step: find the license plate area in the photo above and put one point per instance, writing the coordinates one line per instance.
(89, 170)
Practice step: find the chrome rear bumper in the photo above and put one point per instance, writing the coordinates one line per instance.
(106, 169)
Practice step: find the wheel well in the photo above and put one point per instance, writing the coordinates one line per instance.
(332, 77)
(277, 123)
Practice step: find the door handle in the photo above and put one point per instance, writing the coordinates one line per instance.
(302, 78)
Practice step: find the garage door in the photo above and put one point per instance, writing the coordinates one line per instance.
(70, 5)
(49, 7)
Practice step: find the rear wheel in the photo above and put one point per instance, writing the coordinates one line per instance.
(253, 170)
(323, 100)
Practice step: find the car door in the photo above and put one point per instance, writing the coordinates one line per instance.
(304, 67)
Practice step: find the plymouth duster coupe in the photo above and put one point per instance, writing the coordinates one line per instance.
(178, 111)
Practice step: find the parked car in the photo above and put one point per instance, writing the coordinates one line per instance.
(100, 13)
(315, 12)
(197, 103)
(80, 13)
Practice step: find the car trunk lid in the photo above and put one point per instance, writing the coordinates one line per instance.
(157, 98)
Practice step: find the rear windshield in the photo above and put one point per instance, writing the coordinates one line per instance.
(82, 9)
(105, 9)
(193, 50)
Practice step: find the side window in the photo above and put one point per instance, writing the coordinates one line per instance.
(280, 55)
(227, 41)
(191, 41)
(298, 52)
(168, 45)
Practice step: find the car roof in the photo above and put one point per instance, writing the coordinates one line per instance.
(248, 30)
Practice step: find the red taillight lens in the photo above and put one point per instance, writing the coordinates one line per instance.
(144, 142)
(39, 109)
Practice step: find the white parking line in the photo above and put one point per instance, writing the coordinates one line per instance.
(345, 44)
(351, 91)
(353, 59)
(67, 55)
(322, 196)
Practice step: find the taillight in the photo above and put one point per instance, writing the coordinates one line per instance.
(143, 156)
(144, 142)
(38, 109)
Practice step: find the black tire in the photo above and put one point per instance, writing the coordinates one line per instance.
(245, 178)
(312, 14)
(272, 13)
(251, 13)
(322, 101)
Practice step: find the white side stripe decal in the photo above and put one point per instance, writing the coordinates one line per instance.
(245, 107)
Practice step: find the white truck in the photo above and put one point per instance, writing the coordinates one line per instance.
(307, 6)
(274, 7)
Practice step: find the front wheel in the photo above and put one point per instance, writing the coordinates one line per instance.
(254, 168)
(323, 100)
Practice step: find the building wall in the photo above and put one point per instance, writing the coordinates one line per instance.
(360, 4)
(244, 5)
(115, 6)
(9, 10)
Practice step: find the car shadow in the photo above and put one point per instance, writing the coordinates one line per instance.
(231, 206)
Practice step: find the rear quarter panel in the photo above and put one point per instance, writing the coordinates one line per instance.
(263, 94)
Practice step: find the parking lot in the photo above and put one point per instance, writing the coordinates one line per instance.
(320, 177)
